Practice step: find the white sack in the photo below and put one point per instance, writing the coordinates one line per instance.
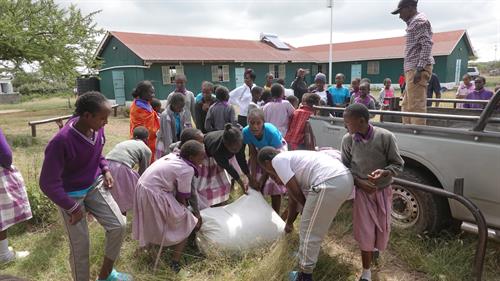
(247, 223)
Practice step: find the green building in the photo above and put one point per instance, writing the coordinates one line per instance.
(131, 57)
(383, 58)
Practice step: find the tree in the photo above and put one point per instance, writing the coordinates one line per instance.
(47, 38)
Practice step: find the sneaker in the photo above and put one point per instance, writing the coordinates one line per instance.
(14, 255)
(299, 276)
(118, 276)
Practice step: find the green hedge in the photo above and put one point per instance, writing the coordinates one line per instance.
(42, 88)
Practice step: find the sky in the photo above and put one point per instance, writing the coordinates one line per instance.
(298, 22)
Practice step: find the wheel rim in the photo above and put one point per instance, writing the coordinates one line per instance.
(405, 207)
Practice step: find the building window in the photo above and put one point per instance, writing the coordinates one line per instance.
(373, 68)
(220, 73)
(169, 72)
(277, 70)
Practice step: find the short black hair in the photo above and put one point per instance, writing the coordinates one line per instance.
(257, 112)
(141, 133)
(365, 80)
(142, 88)
(266, 153)
(180, 76)
(387, 80)
(189, 134)
(177, 98)
(266, 96)
(281, 81)
(251, 73)
(155, 103)
(90, 102)
(207, 84)
(191, 148)
(231, 134)
(277, 90)
(312, 99)
(481, 78)
(222, 93)
(358, 110)
(257, 89)
(292, 99)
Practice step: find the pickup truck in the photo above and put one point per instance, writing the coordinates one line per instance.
(455, 144)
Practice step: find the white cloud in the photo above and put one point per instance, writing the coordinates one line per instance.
(298, 22)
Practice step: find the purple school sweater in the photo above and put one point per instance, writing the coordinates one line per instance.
(5, 152)
(72, 163)
(482, 94)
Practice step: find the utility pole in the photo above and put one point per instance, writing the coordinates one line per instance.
(330, 57)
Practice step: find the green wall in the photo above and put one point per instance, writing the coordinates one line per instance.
(117, 54)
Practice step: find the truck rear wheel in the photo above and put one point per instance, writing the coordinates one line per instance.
(417, 210)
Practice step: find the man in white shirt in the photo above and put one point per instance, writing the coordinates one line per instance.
(242, 96)
(319, 183)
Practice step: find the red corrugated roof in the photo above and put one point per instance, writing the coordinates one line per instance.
(164, 48)
(154, 47)
(387, 48)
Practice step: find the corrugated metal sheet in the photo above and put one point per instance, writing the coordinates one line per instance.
(152, 47)
(165, 48)
(378, 49)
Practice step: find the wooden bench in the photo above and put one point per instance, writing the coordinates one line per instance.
(59, 119)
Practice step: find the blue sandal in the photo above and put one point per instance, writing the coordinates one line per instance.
(117, 276)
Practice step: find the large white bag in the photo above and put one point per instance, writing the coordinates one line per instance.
(247, 223)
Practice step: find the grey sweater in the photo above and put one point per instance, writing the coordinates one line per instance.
(380, 152)
(218, 115)
(130, 153)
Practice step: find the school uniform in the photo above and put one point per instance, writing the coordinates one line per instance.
(271, 137)
(159, 218)
(231, 162)
(15, 207)
(326, 183)
(366, 101)
(372, 212)
(121, 160)
(482, 94)
(218, 115)
(72, 178)
(464, 90)
(200, 115)
(189, 105)
(171, 126)
(278, 112)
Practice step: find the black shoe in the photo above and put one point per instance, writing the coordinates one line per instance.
(363, 279)
(376, 256)
(305, 276)
(175, 266)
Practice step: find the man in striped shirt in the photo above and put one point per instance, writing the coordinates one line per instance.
(418, 60)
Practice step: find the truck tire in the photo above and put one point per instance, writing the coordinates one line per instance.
(416, 210)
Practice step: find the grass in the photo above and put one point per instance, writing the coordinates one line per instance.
(409, 257)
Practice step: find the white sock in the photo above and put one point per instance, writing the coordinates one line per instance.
(4, 249)
(367, 274)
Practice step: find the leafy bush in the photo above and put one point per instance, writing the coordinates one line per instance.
(42, 88)
(42, 208)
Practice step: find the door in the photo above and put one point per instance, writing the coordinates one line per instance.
(458, 66)
(355, 71)
(119, 87)
(239, 74)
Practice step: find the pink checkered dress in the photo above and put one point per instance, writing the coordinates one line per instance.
(14, 204)
(212, 184)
